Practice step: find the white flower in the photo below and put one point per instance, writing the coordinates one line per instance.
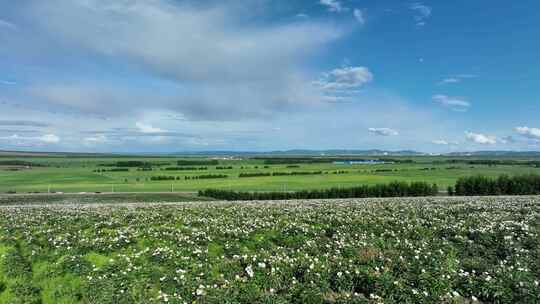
(200, 290)
(249, 271)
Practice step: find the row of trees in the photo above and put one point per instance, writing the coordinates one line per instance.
(164, 178)
(112, 170)
(490, 162)
(194, 162)
(185, 168)
(172, 178)
(262, 174)
(503, 185)
(207, 176)
(394, 189)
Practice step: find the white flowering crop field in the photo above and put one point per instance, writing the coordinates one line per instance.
(421, 250)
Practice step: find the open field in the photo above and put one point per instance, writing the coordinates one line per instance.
(422, 250)
(78, 174)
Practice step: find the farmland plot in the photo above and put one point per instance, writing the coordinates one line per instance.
(422, 250)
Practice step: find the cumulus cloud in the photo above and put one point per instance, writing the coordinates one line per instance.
(360, 16)
(423, 12)
(333, 5)
(482, 139)
(532, 133)
(345, 78)
(455, 103)
(383, 131)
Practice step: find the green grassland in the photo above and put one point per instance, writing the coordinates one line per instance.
(76, 174)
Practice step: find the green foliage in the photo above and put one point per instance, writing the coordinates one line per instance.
(503, 185)
(199, 162)
(395, 189)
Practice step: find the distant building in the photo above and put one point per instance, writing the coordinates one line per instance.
(361, 162)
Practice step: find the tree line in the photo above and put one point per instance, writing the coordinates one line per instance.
(262, 174)
(502, 185)
(207, 176)
(394, 189)
(112, 170)
(186, 162)
(185, 168)
(172, 178)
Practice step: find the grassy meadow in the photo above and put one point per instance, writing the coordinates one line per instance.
(77, 174)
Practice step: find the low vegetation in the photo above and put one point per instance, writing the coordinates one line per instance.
(436, 250)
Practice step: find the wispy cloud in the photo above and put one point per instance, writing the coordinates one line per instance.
(22, 123)
(8, 82)
(31, 140)
(333, 5)
(455, 103)
(440, 142)
(8, 25)
(237, 71)
(423, 12)
(360, 16)
(383, 131)
(148, 129)
(456, 79)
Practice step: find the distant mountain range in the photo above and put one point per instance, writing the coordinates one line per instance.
(296, 152)
(497, 153)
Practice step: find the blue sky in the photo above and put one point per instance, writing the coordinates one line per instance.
(164, 75)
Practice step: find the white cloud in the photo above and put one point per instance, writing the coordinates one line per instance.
(97, 139)
(383, 131)
(440, 142)
(6, 24)
(31, 140)
(220, 66)
(533, 133)
(455, 103)
(450, 80)
(360, 16)
(148, 129)
(456, 78)
(481, 138)
(49, 138)
(332, 5)
(345, 78)
(423, 12)
(7, 82)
